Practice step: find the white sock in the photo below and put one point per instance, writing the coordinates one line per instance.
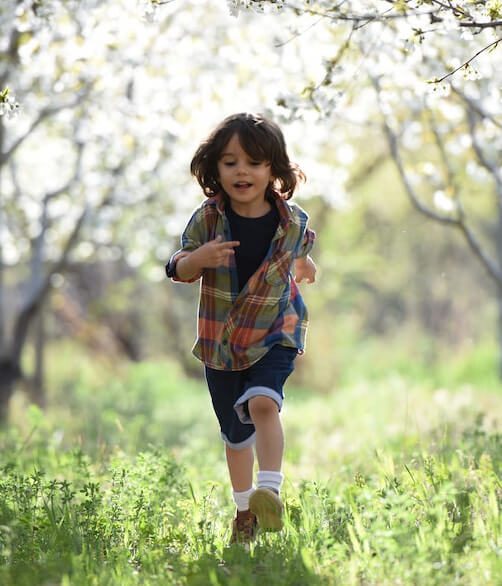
(270, 479)
(241, 499)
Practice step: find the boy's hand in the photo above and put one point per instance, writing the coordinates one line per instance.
(305, 269)
(214, 253)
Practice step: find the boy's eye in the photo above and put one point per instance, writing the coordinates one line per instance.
(232, 163)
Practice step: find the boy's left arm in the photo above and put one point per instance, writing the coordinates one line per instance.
(304, 266)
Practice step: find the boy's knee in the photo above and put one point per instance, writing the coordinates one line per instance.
(261, 406)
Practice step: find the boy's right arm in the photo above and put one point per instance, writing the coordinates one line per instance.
(212, 254)
(187, 268)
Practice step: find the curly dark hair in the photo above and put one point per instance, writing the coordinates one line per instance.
(262, 140)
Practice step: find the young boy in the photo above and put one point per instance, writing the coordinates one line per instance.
(243, 241)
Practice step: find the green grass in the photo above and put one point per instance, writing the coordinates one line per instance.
(343, 357)
(122, 481)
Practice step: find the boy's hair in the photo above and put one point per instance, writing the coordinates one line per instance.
(262, 140)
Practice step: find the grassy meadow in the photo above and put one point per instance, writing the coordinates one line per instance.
(389, 480)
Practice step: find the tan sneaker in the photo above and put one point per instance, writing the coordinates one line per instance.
(244, 527)
(268, 508)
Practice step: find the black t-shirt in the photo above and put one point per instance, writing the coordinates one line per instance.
(254, 235)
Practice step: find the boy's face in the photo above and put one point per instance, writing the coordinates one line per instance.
(243, 179)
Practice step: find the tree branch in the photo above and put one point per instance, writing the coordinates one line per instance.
(357, 18)
(330, 66)
(43, 114)
(11, 54)
(476, 106)
(457, 11)
(459, 222)
(392, 141)
(40, 293)
(297, 34)
(444, 155)
(480, 25)
(19, 223)
(39, 241)
(434, 15)
(490, 166)
(493, 44)
(40, 286)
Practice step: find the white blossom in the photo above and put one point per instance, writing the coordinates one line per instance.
(444, 202)
(9, 107)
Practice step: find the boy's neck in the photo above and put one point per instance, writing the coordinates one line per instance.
(251, 211)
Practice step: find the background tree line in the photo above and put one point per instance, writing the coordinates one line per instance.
(94, 187)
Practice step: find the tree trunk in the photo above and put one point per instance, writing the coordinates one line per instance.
(498, 285)
(10, 373)
(37, 383)
(10, 363)
(2, 221)
(499, 329)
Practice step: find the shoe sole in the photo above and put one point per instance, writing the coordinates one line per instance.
(268, 508)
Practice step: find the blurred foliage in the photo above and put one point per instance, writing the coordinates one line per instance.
(106, 403)
(385, 271)
(388, 279)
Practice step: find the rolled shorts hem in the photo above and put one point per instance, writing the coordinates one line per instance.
(239, 445)
(255, 392)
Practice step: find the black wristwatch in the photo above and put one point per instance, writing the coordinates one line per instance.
(171, 268)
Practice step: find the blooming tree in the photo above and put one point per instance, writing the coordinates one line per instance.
(420, 80)
(103, 104)
(82, 158)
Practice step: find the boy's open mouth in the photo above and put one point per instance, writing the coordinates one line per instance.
(242, 184)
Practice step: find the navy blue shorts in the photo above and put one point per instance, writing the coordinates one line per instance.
(231, 390)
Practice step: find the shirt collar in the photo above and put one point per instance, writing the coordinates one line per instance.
(285, 214)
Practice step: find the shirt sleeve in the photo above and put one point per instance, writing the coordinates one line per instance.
(307, 236)
(194, 235)
(306, 244)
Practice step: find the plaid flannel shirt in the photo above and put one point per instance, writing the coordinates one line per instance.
(236, 329)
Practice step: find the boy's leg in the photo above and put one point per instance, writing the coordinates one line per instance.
(264, 412)
(240, 467)
(261, 403)
(265, 502)
(225, 387)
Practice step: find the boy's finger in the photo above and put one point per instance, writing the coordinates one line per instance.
(230, 244)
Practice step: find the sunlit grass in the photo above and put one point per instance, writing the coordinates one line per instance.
(123, 482)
